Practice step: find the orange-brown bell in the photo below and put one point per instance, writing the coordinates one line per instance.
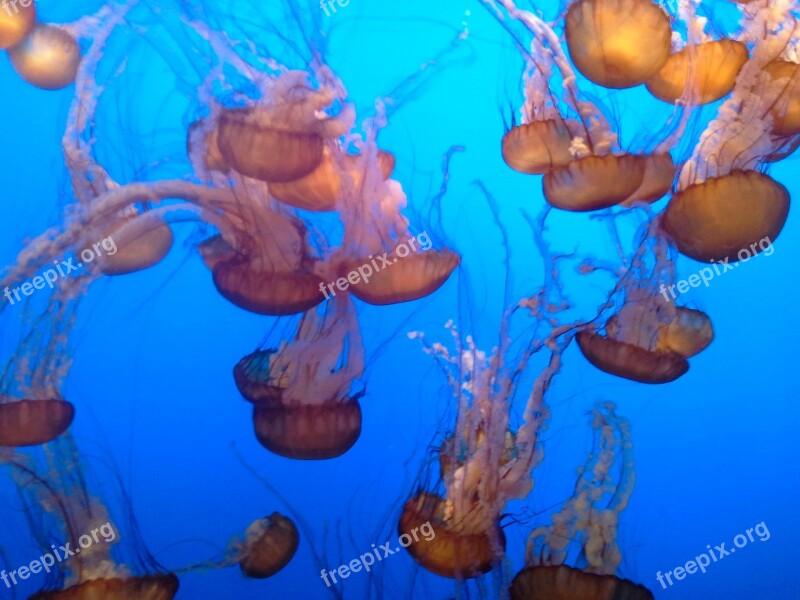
(405, 278)
(33, 422)
(594, 182)
(308, 431)
(629, 361)
(618, 43)
(16, 22)
(267, 292)
(786, 111)
(270, 545)
(48, 57)
(715, 67)
(566, 583)
(271, 153)
(537, 147)
(149, 587)
(715, 219)
(448, 553)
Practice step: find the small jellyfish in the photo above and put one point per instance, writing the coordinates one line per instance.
(48, 57)
(16, 21)
(649, 338)
(302, 405)
(269, 545)
(618, 43)
(139, 242)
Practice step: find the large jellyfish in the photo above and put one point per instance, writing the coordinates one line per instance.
(724, 203)
(588, 522)
(303, 406)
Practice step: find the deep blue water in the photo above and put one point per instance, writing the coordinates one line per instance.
(716, 451)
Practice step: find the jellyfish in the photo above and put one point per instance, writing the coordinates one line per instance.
(567, 138)
(484, 462)
(15, 23)
(587, 522)
(269, 545)
(59, 505)
(724, 202)
(303, 407)
(617, 43)
(48, 57)
(701, 69)
(649, 338)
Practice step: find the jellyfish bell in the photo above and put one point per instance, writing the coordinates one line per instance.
(308, 432)
(269, 545)
(451, 552)
(139, 243)
(265, 291)
(595, 182)
(33, 422)
(561, 582)
(785, 75)
(617, 43)
(688, 334)
(716, 219)
(16, 24)
(709, 68)
(147, 587)
(659, 173)
(629, 360)
(272, 152)
(537, 147)
(48, 57)
(403, 278)
(319, 190)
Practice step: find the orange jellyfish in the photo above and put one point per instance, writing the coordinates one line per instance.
(269, 545)
(785, 112)
(282, 138)
(649, 338)
(617, 43)
(48, 57)
(140, 241)
(29, 422)
(58, 502)
(724, 205)
(16, 21)
(569, 140)
(588, 521)
(302, 404)
(380, 261)
(484, 464)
